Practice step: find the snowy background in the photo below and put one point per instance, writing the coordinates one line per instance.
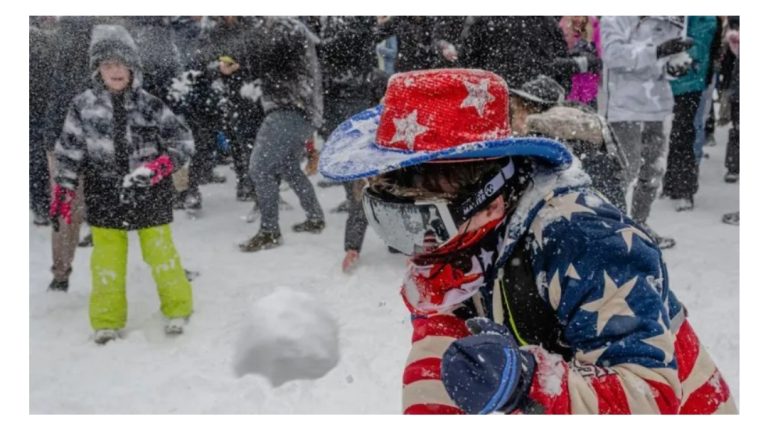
(147, 372)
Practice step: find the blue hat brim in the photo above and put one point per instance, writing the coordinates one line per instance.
(351, 151)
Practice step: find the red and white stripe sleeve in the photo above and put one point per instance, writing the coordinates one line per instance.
(423, 390)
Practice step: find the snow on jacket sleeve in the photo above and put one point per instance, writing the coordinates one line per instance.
(620, 51)
(606, 281)
(69, 150)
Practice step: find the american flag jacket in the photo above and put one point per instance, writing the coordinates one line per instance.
(619, 340)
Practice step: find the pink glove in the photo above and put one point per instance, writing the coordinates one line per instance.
(61, 204)
(161, 168)
(149, 174)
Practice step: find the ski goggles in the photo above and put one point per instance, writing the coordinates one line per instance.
(416, 226)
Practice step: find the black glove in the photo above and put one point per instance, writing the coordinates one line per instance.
(565, 66)
(679, 64)
(578, 64)
(672, 46)
(677, 71)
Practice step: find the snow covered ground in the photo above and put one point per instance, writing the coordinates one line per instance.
(147, 372)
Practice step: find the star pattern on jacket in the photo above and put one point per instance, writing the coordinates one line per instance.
(571, 272)
(478, 95)
(663, 341)
(487, 257)
(626, 329)
(612, 303)
(627, 233)
(563, 206)
(555, 290)
(407, 129)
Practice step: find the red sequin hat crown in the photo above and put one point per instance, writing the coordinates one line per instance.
(437, 109)
(429, 115)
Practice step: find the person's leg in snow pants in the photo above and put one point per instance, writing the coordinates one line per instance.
(732, 149)
(357, 223)
(108, 309)
(64, 241)
(681, 179)
(276, 155)
(643, 144)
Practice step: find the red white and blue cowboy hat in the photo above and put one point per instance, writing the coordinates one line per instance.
(431, 115)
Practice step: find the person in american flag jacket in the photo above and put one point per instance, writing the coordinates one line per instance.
(529, 292)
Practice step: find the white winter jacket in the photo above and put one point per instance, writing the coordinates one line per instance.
(637, 84)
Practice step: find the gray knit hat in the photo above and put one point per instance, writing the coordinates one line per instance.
(543, 90)
(113, 42)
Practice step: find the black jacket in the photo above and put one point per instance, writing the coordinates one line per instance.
(236, 97)
(347, 53)
(516, 48)
(417, 40)
(160, 58)
(70, 71)
(40, 80)
(283, 50)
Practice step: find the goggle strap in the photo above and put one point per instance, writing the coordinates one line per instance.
(487, 193)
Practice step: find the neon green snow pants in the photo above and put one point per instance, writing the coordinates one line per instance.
(109, 262)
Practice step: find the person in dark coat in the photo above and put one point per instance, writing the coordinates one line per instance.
(69, 64)
(732, 84)
(236, 91)
(681, 179)
(125, 143)
(159, 55)
(519, 49)
(284, 49)
(347, 59)
(40, 72)
(422, 42)
(538, 108)
(193, 96)
(187, 32)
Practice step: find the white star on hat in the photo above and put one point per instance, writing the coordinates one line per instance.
(478, 95)
(407, 129)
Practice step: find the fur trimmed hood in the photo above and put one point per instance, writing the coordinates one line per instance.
(114, 42)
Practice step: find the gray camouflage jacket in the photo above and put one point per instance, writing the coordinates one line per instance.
(102, 143)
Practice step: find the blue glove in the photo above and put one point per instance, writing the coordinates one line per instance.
(487, 372)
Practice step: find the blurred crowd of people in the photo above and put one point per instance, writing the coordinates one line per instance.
(260, 93)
